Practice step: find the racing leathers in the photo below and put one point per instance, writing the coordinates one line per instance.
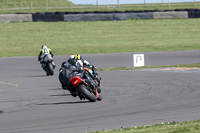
(41, 55)
(66, 73)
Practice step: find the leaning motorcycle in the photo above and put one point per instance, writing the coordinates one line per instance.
(48, 66)
(87, 83)
(84, 83)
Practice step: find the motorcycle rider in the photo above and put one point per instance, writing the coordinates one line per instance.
(44, 50)
(79, 62)
(76, 59)
(75, 63)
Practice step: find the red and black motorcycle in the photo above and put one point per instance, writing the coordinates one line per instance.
(87, 84)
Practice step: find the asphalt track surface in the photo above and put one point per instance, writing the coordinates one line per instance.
(31, 102)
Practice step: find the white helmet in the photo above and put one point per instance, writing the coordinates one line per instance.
(44, 47)
(71, 56)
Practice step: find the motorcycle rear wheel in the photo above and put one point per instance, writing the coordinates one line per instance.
(82, 89)
(50, 67)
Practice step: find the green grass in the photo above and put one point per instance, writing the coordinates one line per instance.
(25, 6)
(25, 39)
(165, 127)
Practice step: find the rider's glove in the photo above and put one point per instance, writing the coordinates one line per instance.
(95, 67)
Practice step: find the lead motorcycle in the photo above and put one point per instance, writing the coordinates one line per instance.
(47, 66)
(85, 82)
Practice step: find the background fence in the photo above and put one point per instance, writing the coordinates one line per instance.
(9, 6)
(118, 2)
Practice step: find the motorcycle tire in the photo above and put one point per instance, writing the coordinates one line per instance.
(81, 88)
(50, 71)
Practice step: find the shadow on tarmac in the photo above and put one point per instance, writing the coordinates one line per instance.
(56, 89)
(37, 76)
(61, 95)
(63, 103)
(1, 112)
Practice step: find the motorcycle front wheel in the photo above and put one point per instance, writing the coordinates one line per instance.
(82, 89)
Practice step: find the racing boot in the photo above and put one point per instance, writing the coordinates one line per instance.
(74, 94)
(47, 74)
(64, 87)
(81, 97)
(43, 65)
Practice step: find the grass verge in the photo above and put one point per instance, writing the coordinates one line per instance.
(164, 127)
(25, 39)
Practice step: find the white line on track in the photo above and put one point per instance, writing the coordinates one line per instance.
(11, 84)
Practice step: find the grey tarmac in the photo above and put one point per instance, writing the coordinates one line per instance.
(31, 102)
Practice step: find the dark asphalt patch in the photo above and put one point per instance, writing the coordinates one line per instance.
(1, 112)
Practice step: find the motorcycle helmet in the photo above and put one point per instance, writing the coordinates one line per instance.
(77, 57)
(44, 47)
(71, 56)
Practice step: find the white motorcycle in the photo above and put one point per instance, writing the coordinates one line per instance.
(48, 66)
